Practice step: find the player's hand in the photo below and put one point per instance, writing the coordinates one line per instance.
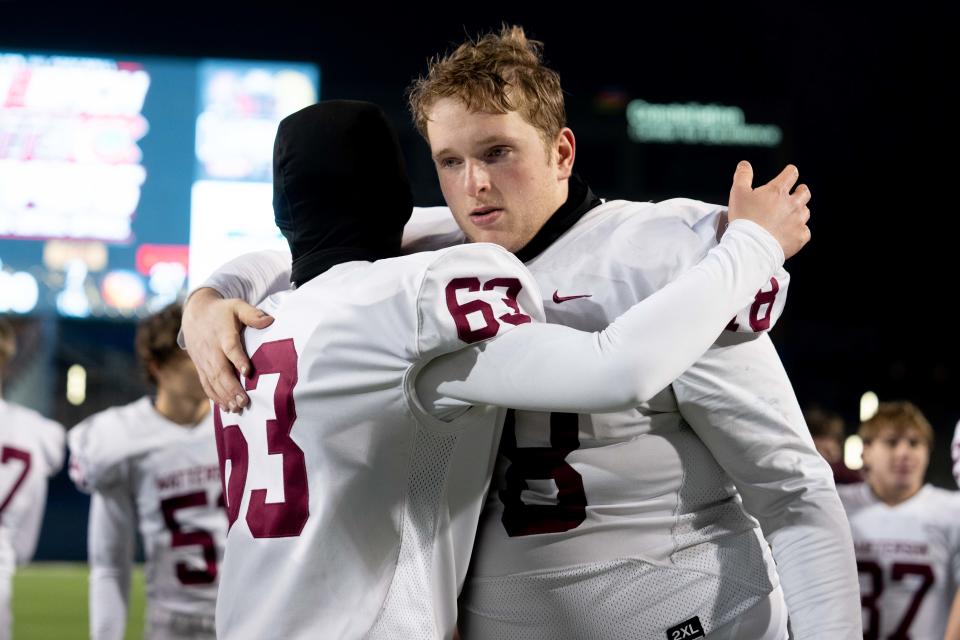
(773, 206)
(211, 329)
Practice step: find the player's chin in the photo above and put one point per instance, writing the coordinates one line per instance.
(502, 237)
(905, 479)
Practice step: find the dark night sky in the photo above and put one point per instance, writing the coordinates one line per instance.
(863, 96)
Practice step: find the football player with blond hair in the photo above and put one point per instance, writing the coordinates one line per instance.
(151, 466)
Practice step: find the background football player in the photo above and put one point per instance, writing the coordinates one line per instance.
(906, 533)
(153, 464)
(31, 450)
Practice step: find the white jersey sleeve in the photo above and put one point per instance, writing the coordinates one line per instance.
(252, 276)
(685, 220)
(110, 546)
(738, 399)
(470, 294)
(762, 313)
(543, 368)
(430, 229)
(98, 454)
(102, 445)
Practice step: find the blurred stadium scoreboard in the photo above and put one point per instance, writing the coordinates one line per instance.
(125, 179)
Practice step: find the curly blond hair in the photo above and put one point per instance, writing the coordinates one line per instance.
(496, 73)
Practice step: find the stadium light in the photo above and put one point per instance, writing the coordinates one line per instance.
(76, 385)
(853, 452)
(869, 403)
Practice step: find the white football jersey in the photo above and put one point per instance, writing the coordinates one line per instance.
(150, 472)
(353, 511)
(908, 557)
(31, 450)
(642, 503)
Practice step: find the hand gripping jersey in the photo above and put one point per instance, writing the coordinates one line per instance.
(146, 470)
(31, 450)
(648, 503)
(908, 557)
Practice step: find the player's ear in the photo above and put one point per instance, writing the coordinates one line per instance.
(564, 150)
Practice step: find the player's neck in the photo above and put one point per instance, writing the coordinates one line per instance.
(892, 496)
(182, 410)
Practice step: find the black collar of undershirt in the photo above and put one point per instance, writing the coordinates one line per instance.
(580, 200)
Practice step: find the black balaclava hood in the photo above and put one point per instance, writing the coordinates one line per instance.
(340, 189)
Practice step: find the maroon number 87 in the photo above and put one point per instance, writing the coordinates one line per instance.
(268, 520)
(870, 600)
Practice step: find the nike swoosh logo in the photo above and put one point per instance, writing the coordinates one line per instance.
(557, 298)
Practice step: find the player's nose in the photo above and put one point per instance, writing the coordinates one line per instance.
(476, 179)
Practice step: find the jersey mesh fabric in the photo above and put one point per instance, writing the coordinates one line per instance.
(405, 607)
(622, 599)
(718, 540)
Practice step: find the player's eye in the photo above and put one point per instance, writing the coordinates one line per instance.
(447, 163)
(498, 153)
